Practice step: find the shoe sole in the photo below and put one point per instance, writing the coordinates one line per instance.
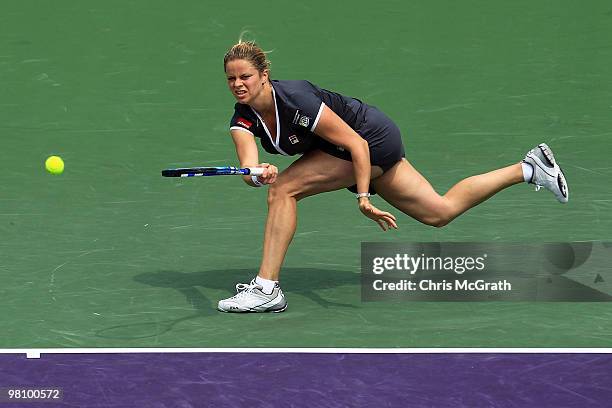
(254, 311)
(271, 310)
(561, 179)
(562, 183)
(548, 154)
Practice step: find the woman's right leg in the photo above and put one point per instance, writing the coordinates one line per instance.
(407, 190)
(315, 172)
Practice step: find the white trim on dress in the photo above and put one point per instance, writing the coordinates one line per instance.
(316, 121)
(241, 128)
(276, 143)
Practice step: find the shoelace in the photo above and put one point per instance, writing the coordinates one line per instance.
(244, 288)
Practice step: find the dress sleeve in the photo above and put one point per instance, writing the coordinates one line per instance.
(242, 120)
(307, 99)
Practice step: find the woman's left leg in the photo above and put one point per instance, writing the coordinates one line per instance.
(407, 190)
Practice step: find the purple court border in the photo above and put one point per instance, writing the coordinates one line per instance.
(236, 379)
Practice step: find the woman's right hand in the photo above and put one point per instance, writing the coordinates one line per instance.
(269, 175)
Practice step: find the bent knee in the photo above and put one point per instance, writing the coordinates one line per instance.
(281, 191)
(439, 218)
(440, 215)
(437, 221)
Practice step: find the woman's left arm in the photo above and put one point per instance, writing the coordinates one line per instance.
(333, 129)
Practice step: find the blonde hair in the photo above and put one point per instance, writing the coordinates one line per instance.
(248, 51)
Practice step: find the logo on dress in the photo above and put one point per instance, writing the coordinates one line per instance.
(304, 121)
(243, 122)
(293, 139)
(296, 118)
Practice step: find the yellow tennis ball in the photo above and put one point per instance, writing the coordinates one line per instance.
(54, 165)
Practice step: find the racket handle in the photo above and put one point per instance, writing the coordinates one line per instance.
(256, 171)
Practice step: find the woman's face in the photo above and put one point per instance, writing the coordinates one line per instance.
(244, 81)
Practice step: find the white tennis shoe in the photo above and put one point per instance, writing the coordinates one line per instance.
(251, 298)
(546, 172)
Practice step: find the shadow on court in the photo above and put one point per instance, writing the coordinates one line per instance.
(302, 281)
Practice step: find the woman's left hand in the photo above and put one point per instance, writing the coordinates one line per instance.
(385, 219)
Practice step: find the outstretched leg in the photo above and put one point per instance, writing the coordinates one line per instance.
(407, 190)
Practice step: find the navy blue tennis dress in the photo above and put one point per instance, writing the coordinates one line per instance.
(299, 105)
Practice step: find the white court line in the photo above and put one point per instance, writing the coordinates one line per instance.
(36, 353)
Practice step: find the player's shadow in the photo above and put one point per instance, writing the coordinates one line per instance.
(302, 281)
(306, 282)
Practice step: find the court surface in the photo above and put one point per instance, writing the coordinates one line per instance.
(323, 380)
(111, 255)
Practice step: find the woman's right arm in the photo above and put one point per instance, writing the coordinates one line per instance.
(248, 156)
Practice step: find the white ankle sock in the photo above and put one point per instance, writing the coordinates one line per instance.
(266, 284)
(527, 171)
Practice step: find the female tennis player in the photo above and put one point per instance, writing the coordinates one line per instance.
(343, 143)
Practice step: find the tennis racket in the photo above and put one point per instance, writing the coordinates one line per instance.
(212, 171)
